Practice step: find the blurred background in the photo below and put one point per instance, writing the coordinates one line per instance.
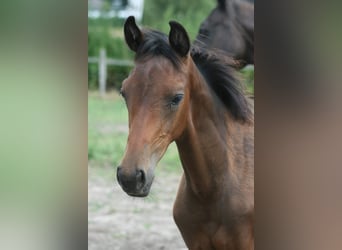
(117, 221)
(44, 88)
(43, 128)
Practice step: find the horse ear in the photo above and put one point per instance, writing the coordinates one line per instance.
(222, 4)
(179, 39)
(133, 35)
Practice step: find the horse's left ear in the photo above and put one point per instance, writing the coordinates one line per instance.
(179, 39)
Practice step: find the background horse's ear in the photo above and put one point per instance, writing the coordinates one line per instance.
(179, 39)
(222, 4)
(133, 35)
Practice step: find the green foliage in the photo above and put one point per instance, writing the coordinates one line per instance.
(248, 78)
(190, 14)
(115, 76)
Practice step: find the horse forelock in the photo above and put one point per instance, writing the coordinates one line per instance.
(156, 43)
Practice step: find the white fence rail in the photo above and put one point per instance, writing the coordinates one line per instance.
(103, 61)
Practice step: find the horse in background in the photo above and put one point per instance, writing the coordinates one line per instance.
(191, 97)
(230, 27)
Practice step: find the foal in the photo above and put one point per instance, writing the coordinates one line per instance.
(191, 98)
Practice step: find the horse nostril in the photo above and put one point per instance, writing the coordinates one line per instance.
(131, 181)
(141, 178)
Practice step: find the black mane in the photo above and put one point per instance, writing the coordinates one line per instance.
(218, 70)
(220, 74)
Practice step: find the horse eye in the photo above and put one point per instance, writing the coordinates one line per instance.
(176, 100)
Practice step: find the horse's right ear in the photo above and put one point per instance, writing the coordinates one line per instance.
(133, 35)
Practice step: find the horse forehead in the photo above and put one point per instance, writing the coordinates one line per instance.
(155, 72)
(157, 66)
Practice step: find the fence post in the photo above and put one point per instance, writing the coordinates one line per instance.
(102, 72)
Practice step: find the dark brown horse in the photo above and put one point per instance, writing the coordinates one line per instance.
(194, 99)
(230, 27)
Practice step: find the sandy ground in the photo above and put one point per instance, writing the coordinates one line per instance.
(117, 221)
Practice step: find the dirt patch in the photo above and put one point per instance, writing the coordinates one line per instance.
(117, 221)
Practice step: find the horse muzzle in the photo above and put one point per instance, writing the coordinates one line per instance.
(135, 183)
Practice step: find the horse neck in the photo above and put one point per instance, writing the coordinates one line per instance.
(205, 144)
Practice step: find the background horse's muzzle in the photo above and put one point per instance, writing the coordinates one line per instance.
(133, 182)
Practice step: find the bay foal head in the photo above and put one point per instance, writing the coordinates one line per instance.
(157, 98)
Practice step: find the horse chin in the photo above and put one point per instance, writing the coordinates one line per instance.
(144, 192)
(140, 195)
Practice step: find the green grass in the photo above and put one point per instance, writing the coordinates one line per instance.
(107, 133)
(106, 143)
(111, 109)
